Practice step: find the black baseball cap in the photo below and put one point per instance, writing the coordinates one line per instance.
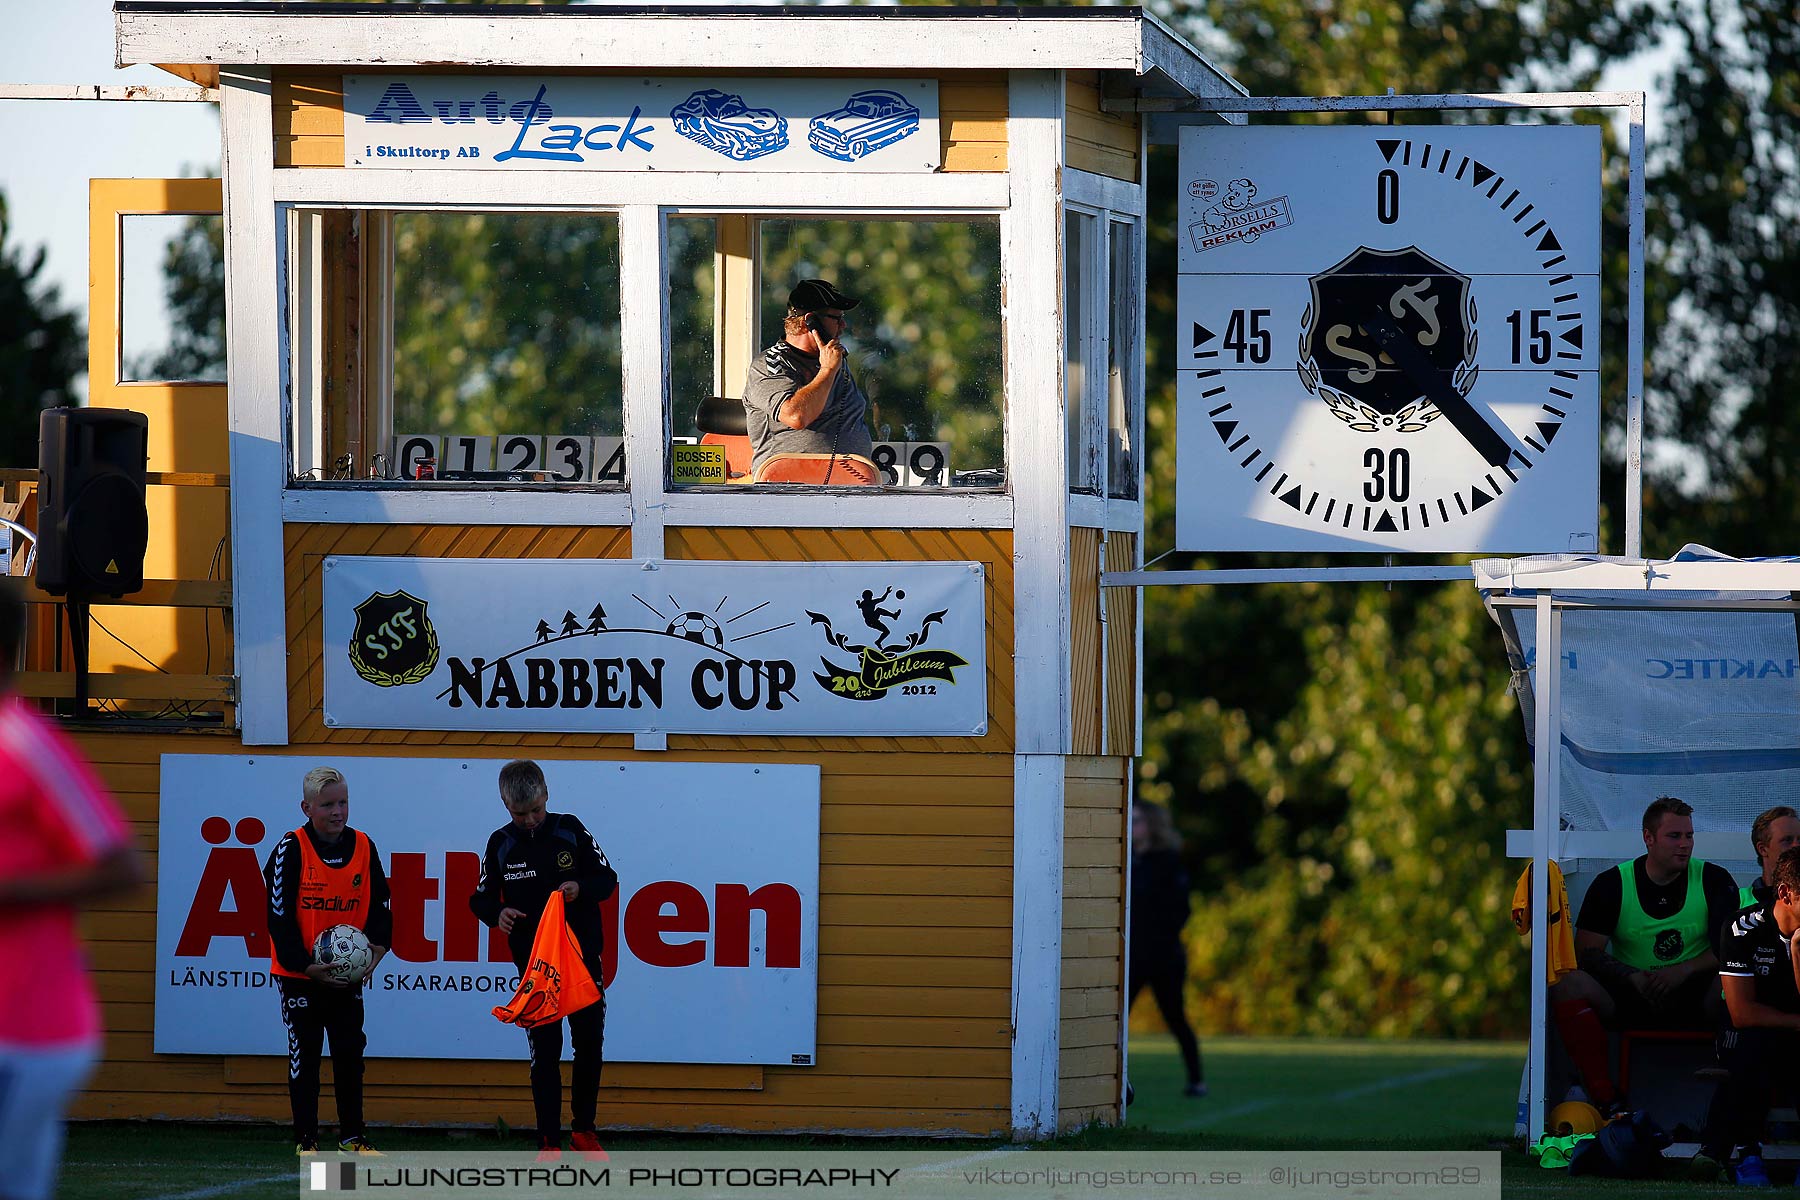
(813, 295)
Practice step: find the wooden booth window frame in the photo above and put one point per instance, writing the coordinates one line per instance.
(342, 431)
(648, 499)
(1108, 431)
(740, 292)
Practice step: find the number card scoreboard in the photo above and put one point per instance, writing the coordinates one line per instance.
(1388, 339)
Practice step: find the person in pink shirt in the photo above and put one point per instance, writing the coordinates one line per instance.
(63, 841)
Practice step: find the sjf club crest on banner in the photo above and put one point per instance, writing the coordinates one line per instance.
(393, 642)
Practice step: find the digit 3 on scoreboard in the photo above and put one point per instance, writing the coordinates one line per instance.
(1388, 338)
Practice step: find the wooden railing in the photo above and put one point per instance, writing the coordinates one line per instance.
(169, 689)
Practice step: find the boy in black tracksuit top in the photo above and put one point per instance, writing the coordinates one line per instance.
(527, 858)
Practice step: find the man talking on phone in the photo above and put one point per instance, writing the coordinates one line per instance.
(800, 397)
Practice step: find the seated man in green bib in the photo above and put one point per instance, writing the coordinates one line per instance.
(1646, 941)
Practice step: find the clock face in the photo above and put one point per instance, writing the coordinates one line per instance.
(1388, 339)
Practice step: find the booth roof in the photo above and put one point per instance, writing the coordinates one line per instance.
(768, 37)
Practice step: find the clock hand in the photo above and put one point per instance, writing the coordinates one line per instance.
(1472, 425)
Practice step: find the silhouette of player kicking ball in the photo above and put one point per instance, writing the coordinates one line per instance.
(872, 612)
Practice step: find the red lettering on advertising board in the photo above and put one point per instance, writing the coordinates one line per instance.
(780, 905)
(232, 872)
(646, 924)
(230, 901)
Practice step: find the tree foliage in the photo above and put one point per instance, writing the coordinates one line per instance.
(42, 348)
(1725, 203)
(194, 289)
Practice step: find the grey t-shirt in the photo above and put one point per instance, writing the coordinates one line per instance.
(782, 370)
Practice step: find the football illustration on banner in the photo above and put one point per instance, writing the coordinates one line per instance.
(1389, 339)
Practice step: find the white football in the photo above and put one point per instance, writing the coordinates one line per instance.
(344, 952)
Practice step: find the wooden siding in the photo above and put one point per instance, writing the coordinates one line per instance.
(1095, 825)
(309, 119)
(1101, 142)
(1121, 649)
(914, 996)
(1085, 632)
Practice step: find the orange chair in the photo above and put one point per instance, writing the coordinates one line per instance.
(720, 420)
(845, 470)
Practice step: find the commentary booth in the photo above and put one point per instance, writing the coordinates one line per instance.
(473, 488)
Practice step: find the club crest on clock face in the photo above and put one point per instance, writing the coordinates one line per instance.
(1341, 361)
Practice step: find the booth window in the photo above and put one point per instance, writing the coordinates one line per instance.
(1080, 352)
(457, 349)
(1124, 362)
(924, 345)
(172, 299)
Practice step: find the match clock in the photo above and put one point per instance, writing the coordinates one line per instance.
(1388, 339)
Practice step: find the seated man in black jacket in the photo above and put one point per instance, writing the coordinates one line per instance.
(533, 854)
(1760, 1048)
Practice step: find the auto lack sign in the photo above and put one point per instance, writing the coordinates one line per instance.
(888, 649)
(519, 122)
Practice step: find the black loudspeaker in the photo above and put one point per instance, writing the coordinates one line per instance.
(92, 525)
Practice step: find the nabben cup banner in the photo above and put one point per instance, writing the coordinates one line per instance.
(566, 646)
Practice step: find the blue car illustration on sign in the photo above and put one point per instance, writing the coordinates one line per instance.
(867, 122)
(723, 122)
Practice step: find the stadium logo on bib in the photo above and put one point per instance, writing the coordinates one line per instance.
(892, 660)
(393, 643)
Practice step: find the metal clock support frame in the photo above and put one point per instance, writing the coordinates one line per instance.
(1633, 103)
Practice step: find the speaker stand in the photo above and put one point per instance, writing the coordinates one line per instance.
(77, 609)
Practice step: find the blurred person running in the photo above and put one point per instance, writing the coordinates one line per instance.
(63, 843)
(1159, 910)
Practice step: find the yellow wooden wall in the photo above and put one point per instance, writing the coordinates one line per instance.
(1101, 142)
(972, 106)
(915, 936)
(915, 910)
(1095, 829)
(1086, 635)
(1121, 648)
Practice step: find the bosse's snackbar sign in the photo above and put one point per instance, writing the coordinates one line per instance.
(664, 647)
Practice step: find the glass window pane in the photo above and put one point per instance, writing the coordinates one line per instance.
(172, 299)
(924, 341)
(692, 300)
(1124, 364)
(506, 326)
(1077, 230)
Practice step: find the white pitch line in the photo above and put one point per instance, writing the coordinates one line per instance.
(226, 1188)
(1256, 1106)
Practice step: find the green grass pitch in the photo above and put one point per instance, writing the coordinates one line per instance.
(1266, 1094)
